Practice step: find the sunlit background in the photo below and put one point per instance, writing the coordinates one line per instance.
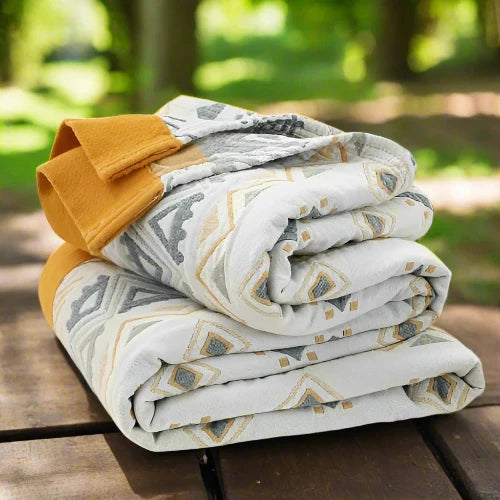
(425, 73)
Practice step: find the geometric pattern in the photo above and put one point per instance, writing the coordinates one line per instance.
(445, 393)
(309, 391)
(219, 432)
(212, 339)
(176, 373)
(89, 301)
(374, 223)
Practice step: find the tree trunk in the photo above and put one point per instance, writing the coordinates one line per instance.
(398, 25)
(166, 50)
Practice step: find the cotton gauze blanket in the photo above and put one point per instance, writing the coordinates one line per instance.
(257, 276)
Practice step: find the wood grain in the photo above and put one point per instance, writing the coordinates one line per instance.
(479, 329)
(469, 442)
(41, 388)
(99, 466)
(377, 461)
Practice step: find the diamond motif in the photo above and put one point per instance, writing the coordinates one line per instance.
(442, 387)
(184, 378)
(215, 345)
(322, 285)
(217, 430)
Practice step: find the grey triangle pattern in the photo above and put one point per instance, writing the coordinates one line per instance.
(340, 302)
(426, 338)
(138, 329)
(219, 277)
(78, 311)
(253, 194)
(290, 232)
(314, 213)
(309, 401)
(152, 296)
(261, 291)
(293, 352)
(210, 112)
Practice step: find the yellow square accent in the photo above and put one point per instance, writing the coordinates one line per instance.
(410, 202)
(426, 215)
(204, 420)
(318, 409)
(174, 426)
(319, 338)
(303, 210)
(353, 305)
(329, 314)
(287, 247)
(284, 362)
(260, 353)
(346, 405)
(333, 210)
(430, 269)
(409, 266)
(306, 236)
(323, 203)
(312, 356)
(313, 303)
(347, 332)
(413, 380)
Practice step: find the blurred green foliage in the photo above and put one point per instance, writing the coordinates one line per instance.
(81, 58)
(469, 244)
(74, 58)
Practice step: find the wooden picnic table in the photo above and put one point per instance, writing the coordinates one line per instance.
(56, 440)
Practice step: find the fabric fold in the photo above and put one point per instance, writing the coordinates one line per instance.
(98, 179)
(261, 278)
(174, 375)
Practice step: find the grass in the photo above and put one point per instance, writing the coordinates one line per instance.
(468, 244)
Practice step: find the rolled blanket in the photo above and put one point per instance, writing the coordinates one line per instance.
(231, 276)
(174, 375)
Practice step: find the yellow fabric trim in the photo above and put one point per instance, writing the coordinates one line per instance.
(97, 182)
(59, 264)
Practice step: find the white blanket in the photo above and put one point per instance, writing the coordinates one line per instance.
(174, 375)
(276, 289)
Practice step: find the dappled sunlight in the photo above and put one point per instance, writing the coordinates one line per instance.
(18, 104)
(17, 138)
(462, 196)
(214, 75)
(388, 108)
(79, 83)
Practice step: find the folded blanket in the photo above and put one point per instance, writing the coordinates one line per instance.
(174, 375)
(203, 231)
(258, 218)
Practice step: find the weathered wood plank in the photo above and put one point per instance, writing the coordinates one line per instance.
(469, 443)
(479, 329)
(376, 461)
(41, 388)
(98, 466)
